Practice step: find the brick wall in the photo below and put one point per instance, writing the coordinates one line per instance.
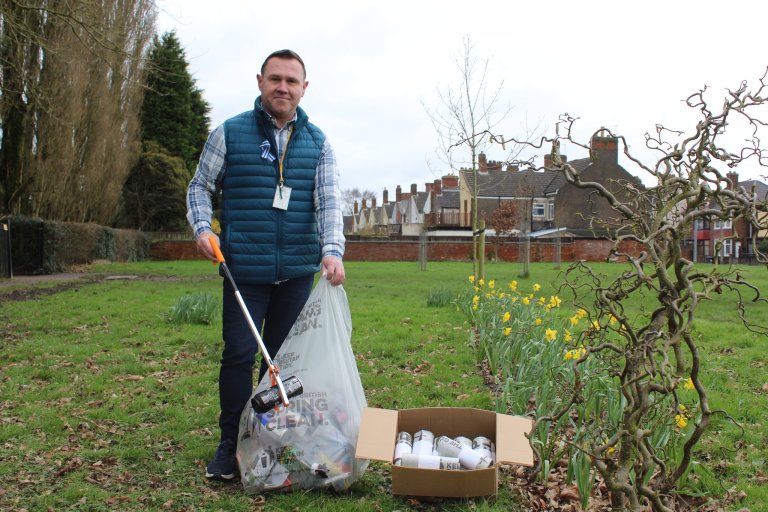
(407, 249)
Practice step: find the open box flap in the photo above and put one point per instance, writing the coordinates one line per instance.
(378, 434)
(512, 447)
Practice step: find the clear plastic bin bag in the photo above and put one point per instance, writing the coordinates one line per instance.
(311, 443)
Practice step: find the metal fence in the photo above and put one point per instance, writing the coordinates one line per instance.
(6, 264)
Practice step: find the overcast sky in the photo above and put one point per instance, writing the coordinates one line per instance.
(372, 65)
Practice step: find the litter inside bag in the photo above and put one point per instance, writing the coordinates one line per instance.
(311, 443)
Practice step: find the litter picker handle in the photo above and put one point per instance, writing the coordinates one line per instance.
(273, 370)
(216, 250)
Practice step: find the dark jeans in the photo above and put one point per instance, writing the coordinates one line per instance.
(273, 306)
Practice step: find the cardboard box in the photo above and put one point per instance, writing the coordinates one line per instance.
(378, 433)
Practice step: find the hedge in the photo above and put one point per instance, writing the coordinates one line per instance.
(43, 247)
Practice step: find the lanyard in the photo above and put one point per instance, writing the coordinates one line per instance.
(282, 159)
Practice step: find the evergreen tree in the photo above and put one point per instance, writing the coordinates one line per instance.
(154, 195)
(174, 114)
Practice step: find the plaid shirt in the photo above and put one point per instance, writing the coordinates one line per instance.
(211, 169)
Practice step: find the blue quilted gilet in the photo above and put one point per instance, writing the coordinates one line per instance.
(263, 244)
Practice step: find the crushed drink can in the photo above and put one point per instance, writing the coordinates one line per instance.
(412, 460)
(464, 440)
(270, 398)
(468, 457)
(404, 445)
(484, 447)
(422, 442)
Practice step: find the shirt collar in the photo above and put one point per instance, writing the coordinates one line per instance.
(274, 123)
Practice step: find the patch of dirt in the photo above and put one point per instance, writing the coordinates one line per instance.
(32, 287)
(29, 292)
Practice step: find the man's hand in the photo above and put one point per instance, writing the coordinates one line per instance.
(204, 245)
(333, 268)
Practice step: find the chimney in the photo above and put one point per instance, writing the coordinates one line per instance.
(482, 162)
(604, 147)
(398, 194)
(733, 178)
(356, 206)
(548, 161)
(414, 187)
(513, 168)
(450, 181)
(373, 203)
(428, 187)
(363, 203)
(385, 197)
(437, 188)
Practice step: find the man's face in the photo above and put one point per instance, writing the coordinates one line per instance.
(282, 87)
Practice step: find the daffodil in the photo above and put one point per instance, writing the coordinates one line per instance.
(475, 300)
(472, 279)
(596, 325)
(554, 301)
(542, 301)
(537, 321)
(507, 330)
(526, 300)
(576, 353)
(536, 287)
(550, 334)
(680, 421)
(506, 317)
(568, 336)
(513, 286)
(581, 313)
(575, 320)
(491, 284)
(689, 384)
(481, 282)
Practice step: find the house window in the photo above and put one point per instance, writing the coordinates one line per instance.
(551, 211)
(725, 249)
(538, 209)
(722, 224)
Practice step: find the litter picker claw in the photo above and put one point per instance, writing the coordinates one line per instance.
(280, 391)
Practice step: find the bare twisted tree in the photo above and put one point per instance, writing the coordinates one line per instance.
(651, 356)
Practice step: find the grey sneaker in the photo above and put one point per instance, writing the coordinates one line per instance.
(224, 464)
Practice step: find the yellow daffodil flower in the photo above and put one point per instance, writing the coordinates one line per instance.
(506, 317)
(550, 334)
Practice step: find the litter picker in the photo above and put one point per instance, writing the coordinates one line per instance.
(280, 391)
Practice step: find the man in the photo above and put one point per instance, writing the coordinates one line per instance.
(281, 222)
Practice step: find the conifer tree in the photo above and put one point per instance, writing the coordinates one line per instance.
(174, 113)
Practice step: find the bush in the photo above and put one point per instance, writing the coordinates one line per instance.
(45, 247)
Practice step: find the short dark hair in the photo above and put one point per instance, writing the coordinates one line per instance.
(284, 54)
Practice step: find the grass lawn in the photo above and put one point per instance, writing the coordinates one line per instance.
(105, 405)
